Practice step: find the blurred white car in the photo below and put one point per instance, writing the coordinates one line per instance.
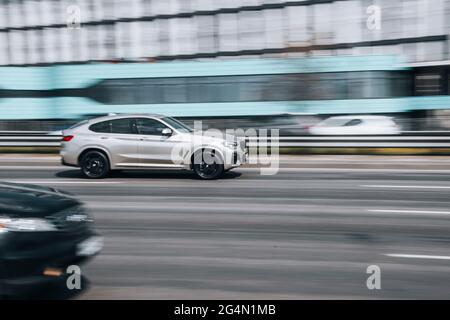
(356, 125)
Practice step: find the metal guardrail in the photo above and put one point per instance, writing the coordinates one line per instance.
(34, 139)
(354, 141)
(38, 139)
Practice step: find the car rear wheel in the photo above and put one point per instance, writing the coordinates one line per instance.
(94, 165)
(207, 165)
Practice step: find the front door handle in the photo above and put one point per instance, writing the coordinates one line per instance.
(126, 139)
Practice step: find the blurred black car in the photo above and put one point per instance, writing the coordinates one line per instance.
(43, 231)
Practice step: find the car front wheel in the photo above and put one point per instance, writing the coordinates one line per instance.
(94, 165)
(207, 165)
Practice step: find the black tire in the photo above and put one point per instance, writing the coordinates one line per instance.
(94, 165)
(207, 170)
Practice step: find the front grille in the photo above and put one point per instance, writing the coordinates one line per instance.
(70, 219)
(235, 158)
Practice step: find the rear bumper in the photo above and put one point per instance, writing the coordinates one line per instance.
(69, 154)
(64, 163)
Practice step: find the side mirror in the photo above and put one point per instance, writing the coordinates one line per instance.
(167, 132)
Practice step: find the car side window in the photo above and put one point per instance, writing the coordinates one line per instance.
(353, 122)
(101, 127)
(121, 126)
(149, 126)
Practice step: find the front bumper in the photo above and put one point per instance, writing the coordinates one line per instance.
(41, 269)
(236, 159)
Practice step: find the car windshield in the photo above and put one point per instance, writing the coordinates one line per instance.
(178, 125)
(334, 122)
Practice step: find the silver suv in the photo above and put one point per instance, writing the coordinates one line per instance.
(142, 141)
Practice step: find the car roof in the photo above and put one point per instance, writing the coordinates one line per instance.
(126, 115)
(360, 117)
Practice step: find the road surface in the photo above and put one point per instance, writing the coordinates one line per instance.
(309, 232)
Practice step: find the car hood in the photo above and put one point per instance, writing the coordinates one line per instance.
(206, 136)
(27, 200)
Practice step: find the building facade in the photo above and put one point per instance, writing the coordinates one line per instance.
(36, 32)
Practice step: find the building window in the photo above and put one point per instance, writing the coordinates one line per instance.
(428, 84)
(248, 88)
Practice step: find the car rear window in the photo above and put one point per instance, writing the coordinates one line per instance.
(122, 126)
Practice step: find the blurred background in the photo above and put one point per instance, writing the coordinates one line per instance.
(324, 67)
(235, 63)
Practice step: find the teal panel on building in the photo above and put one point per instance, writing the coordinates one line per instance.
(52, 91)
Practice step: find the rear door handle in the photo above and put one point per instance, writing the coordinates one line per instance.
(103, 137)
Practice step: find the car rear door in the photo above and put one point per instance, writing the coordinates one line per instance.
(119, 137)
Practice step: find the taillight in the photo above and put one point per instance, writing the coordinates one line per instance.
(67, 138)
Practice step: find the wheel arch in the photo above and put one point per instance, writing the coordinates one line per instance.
(94, 148)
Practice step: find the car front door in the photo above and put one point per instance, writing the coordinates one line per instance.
(155, 148)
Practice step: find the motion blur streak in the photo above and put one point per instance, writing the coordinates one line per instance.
(299, 234)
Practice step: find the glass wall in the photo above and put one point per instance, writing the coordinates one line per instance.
(286, 87)
(33, 32)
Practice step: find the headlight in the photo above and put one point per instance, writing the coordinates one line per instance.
(230, 144)
(25, 225)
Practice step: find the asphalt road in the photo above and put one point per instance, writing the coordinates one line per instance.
(309, 232)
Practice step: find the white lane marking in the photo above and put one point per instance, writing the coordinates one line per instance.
(411, 211)
(417, 256)
(25, 160)
(405, 186)
(336, 170)
(31, 167)
(60, 181)
(258, 169)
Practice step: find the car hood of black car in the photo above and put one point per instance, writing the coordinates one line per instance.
(27, 200)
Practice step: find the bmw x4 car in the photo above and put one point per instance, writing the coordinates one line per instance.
(144, 141)
(43, 233)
